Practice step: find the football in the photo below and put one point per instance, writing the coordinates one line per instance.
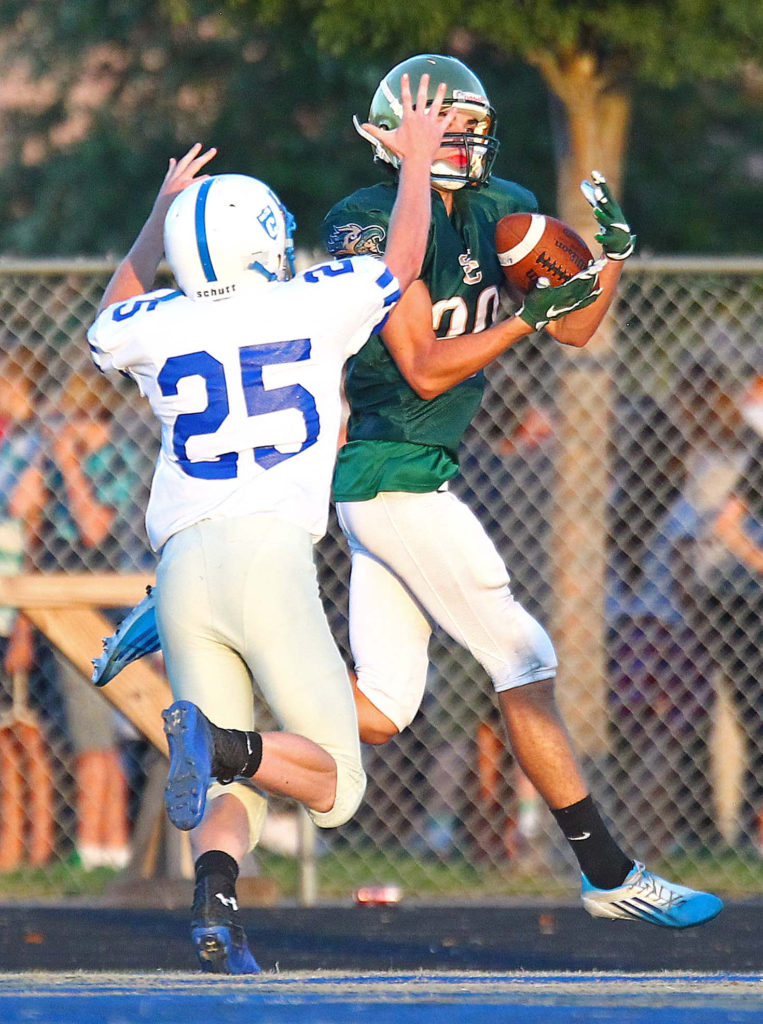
(532, 245)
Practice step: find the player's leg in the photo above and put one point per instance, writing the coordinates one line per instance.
(286, 641)
(389, 637)
(540, 742)
(259, 614)
(227, 591)
(208, 679)
(439, 548)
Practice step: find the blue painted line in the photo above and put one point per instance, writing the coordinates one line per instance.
(242, 1008)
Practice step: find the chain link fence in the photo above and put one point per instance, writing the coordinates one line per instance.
(615, 481)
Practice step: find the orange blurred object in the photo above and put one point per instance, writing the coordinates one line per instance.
(26, 790)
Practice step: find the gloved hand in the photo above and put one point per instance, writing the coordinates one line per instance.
(617, 239)
(544, 303)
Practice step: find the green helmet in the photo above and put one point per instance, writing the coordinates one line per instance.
(464, 91)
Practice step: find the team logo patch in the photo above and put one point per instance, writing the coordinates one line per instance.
(267, 219)
(357, 241)
(472, 272)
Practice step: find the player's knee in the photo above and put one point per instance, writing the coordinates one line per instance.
(374, 725)
(350, 787)
(378, 731)
(539, 692)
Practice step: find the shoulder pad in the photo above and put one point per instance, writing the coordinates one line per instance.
(357, 225)
(515, 198)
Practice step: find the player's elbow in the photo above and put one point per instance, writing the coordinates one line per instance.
(567, 334)
(576, 340)
(428, 391)
(425, 383)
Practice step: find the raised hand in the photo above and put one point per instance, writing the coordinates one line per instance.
(421, 130)
(616, 238)
(136, 272)
(181, 173)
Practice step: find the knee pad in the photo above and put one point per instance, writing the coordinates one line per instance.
(350, 787)
(255, 805)
(530, 658)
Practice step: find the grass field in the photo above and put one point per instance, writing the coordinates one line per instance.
(731, 875)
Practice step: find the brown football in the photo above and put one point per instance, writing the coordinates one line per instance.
(532, 245)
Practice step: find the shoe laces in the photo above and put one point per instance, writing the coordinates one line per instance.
(656, 889)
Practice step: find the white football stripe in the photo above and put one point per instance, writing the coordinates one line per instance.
(528, 243)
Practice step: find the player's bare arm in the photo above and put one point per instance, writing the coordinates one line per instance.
(731, 528)
(415, 141)
(136, 273)
(578, 328)
(432, 365)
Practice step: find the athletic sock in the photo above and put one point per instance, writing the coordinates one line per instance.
(236, 753)
(217, 863)
(214, 891)
(601, 860)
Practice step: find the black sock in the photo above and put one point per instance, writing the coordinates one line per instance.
(601, 860)
(236, 753)
(218, 863)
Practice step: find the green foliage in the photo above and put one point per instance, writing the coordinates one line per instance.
(260, 79)
(694, 174)
(662, 41)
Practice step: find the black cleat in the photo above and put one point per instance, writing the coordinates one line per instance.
(218, 937)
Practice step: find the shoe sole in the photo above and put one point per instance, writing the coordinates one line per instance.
(631, 911)
(135, 637)
(218, 954)
(185, 795)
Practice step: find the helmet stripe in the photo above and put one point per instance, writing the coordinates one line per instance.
(201, 231)
(394, 102)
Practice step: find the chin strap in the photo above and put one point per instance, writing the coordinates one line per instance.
(262, 270)
(291, 227)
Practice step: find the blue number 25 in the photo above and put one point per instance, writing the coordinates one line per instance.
(259, 400)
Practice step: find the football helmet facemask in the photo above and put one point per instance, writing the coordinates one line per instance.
(465, 92)
(226, 233)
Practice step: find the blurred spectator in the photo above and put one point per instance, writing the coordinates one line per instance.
(716, 381)
(92, 479)
(27, 785)
(21, 492)
(736, 581)
(507, 474)
(660, 668)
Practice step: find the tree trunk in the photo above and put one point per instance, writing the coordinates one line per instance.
(590, 133)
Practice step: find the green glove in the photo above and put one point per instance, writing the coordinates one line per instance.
(544, 303)
(617, 239)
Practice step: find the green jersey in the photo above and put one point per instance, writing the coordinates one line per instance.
(396, 440)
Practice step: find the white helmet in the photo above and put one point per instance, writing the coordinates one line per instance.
(225, 233)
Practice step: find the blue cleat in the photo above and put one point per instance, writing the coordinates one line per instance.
(646, 897)
(216, 931)
(135, 637)
(192, 748)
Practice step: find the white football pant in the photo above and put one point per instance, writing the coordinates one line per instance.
(423, 558)
(237, 600)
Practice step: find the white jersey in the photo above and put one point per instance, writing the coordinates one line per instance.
(247, 389)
